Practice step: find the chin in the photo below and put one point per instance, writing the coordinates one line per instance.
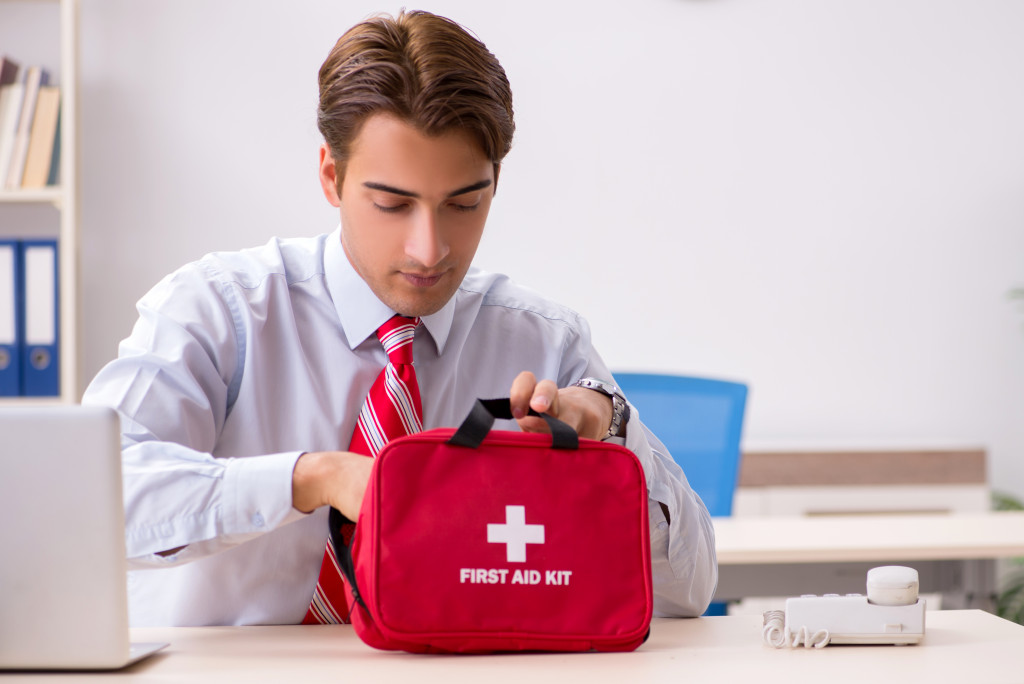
(417, 306)
(416, 302)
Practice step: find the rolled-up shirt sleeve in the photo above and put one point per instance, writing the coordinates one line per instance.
(683, 563)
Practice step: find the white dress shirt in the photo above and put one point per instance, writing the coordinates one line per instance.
(242, 361)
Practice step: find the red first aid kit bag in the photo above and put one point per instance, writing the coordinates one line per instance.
(477, 541)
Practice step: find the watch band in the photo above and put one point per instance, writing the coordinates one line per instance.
(620, 409)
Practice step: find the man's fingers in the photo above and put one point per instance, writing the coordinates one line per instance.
(533, 424)
(545, 397)
(521, 394)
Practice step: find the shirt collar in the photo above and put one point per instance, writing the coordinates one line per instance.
(359, 309)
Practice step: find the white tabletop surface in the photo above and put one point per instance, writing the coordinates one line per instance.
(959, 646)
(943, 536)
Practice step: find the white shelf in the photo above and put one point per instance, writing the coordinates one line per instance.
(65, 199)
(49, 195)
(31, 401)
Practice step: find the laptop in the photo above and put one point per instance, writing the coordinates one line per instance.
(63, 582)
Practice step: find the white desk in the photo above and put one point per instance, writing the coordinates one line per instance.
(959, 646)
(780, 556)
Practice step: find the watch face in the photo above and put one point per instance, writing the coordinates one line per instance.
(600, 386)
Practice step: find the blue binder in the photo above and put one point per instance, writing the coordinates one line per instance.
(40, 343)
(10, 318)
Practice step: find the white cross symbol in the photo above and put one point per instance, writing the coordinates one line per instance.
(515, 534)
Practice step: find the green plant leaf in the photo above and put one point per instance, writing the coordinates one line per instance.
(1002, 501)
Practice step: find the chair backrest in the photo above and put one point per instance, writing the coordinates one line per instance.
(700, 421)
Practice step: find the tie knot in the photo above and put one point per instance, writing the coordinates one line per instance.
(396, 336)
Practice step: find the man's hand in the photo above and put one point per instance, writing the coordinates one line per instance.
(586, 411)
(335, 478)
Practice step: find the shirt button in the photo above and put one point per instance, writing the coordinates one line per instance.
(257, 520)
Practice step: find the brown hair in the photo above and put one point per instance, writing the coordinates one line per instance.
(424, 69)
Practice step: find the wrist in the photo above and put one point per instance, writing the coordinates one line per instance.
(306, 478)
(616, 427)
(330, 478)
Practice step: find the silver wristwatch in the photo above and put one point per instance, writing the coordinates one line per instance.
(620, 409)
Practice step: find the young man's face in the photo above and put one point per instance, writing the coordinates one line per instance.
(413, 210)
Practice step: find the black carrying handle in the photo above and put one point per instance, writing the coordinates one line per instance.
(343, 552)
(470, 434)
(481, 418)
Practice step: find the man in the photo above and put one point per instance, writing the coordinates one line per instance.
(240, 386)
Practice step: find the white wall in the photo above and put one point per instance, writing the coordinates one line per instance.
(822, 198)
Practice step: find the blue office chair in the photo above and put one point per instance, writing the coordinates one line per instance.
(700, 421)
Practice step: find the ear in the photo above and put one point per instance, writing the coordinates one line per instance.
(329, 176)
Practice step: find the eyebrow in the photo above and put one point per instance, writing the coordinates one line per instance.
(479, 185)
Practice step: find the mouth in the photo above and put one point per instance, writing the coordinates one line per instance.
(422, 280)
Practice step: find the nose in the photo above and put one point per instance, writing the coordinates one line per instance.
(426, 244)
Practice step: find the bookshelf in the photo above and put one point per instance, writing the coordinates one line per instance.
(63, 198)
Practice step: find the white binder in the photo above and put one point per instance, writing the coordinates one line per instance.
(40, 344)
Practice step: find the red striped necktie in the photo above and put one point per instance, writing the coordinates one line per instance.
(392, 409)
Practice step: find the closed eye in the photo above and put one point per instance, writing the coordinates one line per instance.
(390, 209)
